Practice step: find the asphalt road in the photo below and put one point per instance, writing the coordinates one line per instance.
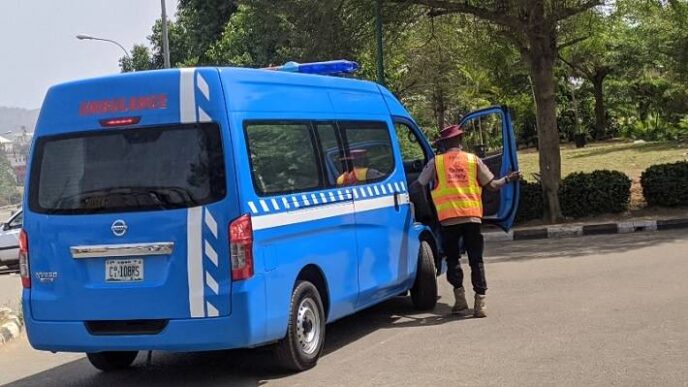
(607, 310)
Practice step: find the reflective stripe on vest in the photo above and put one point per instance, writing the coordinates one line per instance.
(358, 175)
(457, 193)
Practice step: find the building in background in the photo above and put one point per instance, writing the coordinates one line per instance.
(16, 150)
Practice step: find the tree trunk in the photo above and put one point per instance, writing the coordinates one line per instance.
(600, 111)
(542, 59)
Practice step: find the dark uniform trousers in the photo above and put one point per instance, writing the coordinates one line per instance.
(473, 243)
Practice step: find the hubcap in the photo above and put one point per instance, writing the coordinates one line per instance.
(308, 326)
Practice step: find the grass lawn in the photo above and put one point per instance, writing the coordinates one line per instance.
(632, 159)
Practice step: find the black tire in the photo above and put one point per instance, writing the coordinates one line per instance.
(112, 361)
(292, 353)
(424, 290)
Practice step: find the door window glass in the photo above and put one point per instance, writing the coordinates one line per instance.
(283, 157)
(411, 149)
(483, 135)
(369, 155)
(333, 153)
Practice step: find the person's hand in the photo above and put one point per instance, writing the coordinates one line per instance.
(514, 176)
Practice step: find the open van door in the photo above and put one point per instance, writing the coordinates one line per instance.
(490, 135)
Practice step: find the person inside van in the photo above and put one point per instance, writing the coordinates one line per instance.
(358, 160)
(459, 178)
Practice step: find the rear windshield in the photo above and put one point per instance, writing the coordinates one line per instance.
(141, 169)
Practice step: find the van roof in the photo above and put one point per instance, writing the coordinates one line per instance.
(156, 96)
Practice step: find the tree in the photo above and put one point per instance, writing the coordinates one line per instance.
(8, 182)
(141, 59)
(533, 27)
(596, 57)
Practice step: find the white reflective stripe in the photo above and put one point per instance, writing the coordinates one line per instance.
(296, 202)
(377, 191)
(252, 207)
(187, 97)
(396, 185)
(355, 194)
(389, 188)
(322, 212)
(379, 203)
(286, 203)
(341, 196)
(203, 116)
(382, 187)
(322, 196)
(370, 191)
(203, 86)
(194, 261)
(211, 253)
(210, 222)
(313, 198)
(212, 284)
(302, 215)
(274, 204)
(362, 192)
(212, 311)
(305, 200)
(403, 186)
(264, 206)
(332, 198)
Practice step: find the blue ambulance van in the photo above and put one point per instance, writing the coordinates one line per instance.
(213, 208)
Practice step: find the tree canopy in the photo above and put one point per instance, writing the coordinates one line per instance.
(600, 68)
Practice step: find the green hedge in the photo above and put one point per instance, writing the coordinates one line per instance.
(666, 184)
(581, 194)
(531, 202)
(599, 192)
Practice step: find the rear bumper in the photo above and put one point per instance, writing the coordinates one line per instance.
(245, 327)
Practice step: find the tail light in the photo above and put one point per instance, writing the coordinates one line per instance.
(24, 260)
(241, 247)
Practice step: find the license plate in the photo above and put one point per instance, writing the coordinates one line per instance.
(123, 270)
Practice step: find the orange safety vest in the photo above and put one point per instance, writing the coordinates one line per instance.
(358, 175)
(457, 192)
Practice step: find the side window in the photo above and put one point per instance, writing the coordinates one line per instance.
(368, 155)
(332, 151)
(283, 157)
(410, 145)
(16, 221)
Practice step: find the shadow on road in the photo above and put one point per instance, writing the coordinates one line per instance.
(577, 247)
(238, 367)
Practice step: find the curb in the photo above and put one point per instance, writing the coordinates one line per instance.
(10, 326)
(565, 231)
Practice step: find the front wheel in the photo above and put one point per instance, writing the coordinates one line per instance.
(424, 291)
(112, 361)
(301, 347)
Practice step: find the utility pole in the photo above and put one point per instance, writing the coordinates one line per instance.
(378, 39)
(165, 37)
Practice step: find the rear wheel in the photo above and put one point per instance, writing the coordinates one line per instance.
(424, 291)
(112, 361)
(301, 347)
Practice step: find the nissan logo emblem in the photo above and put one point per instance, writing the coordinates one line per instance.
(119, 227)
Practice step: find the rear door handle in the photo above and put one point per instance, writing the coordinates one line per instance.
(396, 201)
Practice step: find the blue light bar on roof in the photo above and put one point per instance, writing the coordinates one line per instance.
(323, 68)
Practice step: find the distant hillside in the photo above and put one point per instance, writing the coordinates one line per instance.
(14, 118)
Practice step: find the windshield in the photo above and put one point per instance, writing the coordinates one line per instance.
(139, 169)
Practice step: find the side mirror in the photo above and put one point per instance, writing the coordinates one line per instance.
(5, 227)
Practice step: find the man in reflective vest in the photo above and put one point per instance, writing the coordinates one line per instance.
(359, 171)
(459, 178)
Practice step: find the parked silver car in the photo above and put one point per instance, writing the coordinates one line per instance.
(9, 240)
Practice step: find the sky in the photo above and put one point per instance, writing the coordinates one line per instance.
(38, 47)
